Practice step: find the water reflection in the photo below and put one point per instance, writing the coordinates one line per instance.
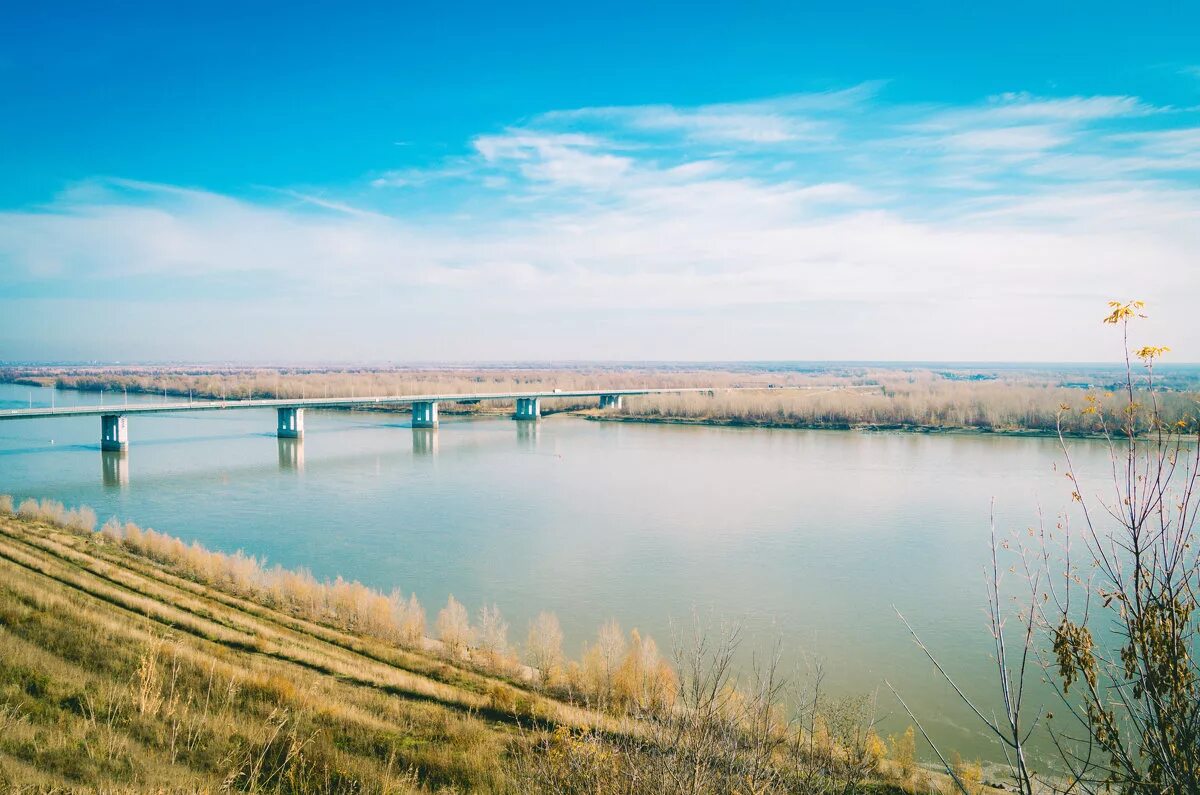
(291, 455)
(114, 468)
(425, 441)
(527, 433)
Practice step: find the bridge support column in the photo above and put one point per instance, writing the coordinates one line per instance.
(291, 423)
(528, 409)
(610, 401)
(425, 414)
(114, 432)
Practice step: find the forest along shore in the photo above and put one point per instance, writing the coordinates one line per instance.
(1034, 402)
(802, 425)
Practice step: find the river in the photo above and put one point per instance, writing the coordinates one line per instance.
(813, 538)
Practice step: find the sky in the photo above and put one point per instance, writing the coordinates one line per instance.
(396, 182)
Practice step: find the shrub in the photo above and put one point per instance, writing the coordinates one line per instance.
(904, 752)
(82, 518)
(969, 775)
(502, 698)
(492, 634)
(544, 646)
(454, 627)
(409, 618)
(644, 681)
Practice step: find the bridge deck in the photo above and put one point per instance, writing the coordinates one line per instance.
(317, 403)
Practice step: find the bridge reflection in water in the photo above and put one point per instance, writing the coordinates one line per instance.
(291, 454)
(114, 464)
(425, 441)
(114, 468)
(527, 434)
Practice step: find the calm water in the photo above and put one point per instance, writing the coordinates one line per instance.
(806, 536)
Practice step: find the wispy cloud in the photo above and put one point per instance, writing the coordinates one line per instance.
(1019, 107)
(828, 197)
(1185, 142)
(1018, 138)
(567, 160)
(325, 203)
(793, 118)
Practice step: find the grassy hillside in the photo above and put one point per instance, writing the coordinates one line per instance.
(120, 671)
(114, 671)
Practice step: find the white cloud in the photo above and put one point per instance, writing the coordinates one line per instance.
(743, 126)
(708, 243)
(562, 159)
(1165, 142)
(793, 118)
(993, 205)
(1023, 138)
(1023, 107)
(418, 177)
(1019, 130)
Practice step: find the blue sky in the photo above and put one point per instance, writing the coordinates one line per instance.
(301, 181)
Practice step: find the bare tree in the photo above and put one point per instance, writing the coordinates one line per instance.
(1132, 695)
(544, 646)
(1140, 691)
(492, 634)
(1012, 672)
(454, 627)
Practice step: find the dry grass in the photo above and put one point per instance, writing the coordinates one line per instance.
(115, 669)
(119, 668)
(102, 685)
(393, 619)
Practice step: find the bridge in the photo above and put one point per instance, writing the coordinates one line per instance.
(114, 419)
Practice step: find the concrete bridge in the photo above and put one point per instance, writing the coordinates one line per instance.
(114, 419)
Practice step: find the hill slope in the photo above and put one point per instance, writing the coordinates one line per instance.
(113, 671)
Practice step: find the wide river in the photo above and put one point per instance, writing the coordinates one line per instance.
(811, 538)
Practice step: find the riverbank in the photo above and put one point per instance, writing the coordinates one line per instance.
(729, 422)
(118, 671)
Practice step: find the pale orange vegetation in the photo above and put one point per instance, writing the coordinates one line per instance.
(841, 397)
(614, 674)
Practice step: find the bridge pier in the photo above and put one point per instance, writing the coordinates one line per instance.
(610, 401)
(114, 432)
(528, 409)
(425, 414)
(291, 423)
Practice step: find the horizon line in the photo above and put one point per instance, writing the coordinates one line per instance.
(558, 363)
